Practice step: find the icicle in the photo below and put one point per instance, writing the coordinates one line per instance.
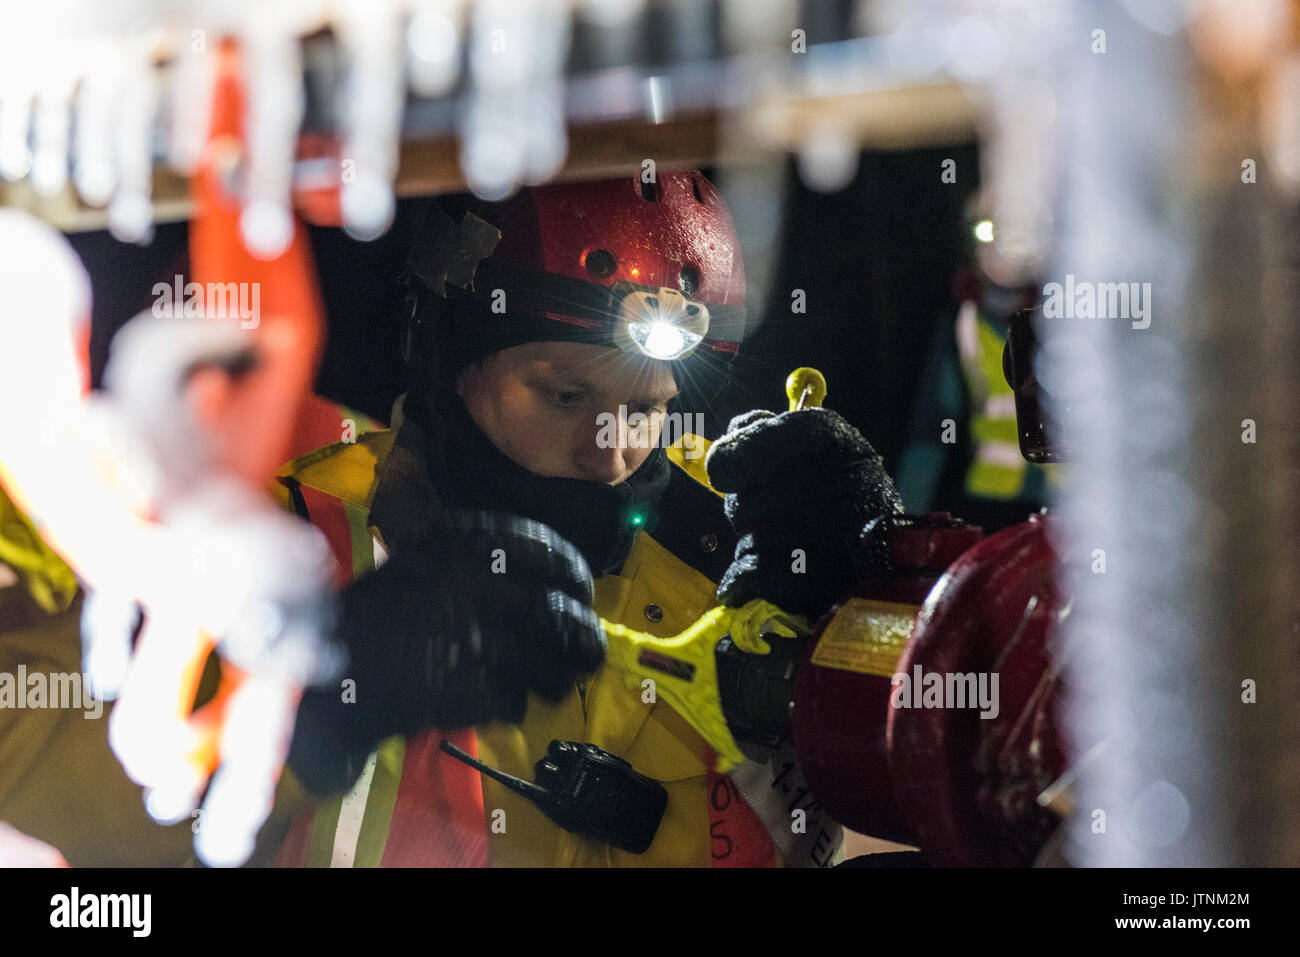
(273, 65)
(130, 213)
(192, 76)
(433, 40)
(546, 140)
(370, 31)
(94, 172)
(15, 118)
(52, 127)
(513, 131)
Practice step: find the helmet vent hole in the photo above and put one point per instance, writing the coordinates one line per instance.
(648, 192)
(600, 263)
(695, 188)
(688, 280)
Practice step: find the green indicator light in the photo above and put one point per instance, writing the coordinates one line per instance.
(638, 519)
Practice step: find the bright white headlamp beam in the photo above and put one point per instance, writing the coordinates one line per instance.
(663, 340)
(663, 325)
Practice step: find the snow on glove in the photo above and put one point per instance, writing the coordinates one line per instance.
(452, 634)
(801, 487)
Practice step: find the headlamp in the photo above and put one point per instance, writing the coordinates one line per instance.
(662, 324)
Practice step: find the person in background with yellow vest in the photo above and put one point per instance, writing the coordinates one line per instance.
(551, 337)
(963, 452)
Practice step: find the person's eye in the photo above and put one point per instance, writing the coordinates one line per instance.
(567, 399)
(649, 409)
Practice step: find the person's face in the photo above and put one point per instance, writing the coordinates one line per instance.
(554, 408)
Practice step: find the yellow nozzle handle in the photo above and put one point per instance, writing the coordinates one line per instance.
(805, 388)
(683, 669)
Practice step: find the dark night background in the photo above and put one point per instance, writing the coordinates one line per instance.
(876, 260)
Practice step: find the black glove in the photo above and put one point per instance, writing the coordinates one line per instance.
(451, 634)
(800, 480)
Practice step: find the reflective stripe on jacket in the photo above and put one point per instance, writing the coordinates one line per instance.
(998, 470)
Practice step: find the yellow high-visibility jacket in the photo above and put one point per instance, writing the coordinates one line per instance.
(416, 806)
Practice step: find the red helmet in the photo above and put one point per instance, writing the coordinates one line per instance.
(654, 267)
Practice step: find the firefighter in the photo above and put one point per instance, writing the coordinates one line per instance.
(522, 490)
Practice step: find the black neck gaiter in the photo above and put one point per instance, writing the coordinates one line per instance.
(441, 461)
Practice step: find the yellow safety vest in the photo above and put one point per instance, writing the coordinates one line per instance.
(706, 822)
(999, 471)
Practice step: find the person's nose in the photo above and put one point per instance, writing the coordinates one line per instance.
(595, 464)
(600, 459)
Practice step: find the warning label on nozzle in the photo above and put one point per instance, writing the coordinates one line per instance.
(866, 636)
